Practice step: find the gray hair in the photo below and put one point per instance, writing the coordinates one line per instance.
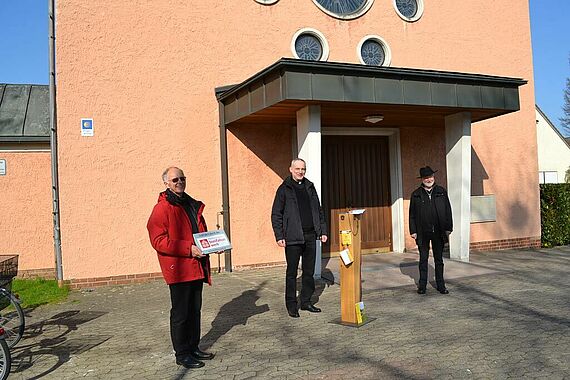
(165, 172)
(297, 159)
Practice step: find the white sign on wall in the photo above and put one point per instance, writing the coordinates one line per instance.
(2, 167)
(86, 127)
(483, 208)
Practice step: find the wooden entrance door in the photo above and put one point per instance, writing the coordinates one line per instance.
(356, 174)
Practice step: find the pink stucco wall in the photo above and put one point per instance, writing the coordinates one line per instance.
(26, 224)
(259, 160)
(146, 73)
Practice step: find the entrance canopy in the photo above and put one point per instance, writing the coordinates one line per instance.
(347, 93)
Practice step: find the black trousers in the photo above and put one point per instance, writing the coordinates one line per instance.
(186, 299)
(293, 253)
(437, 243)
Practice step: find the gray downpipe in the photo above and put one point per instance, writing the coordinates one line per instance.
(53, 146)
(225, 185)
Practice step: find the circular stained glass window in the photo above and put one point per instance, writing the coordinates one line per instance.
(409, 10)
(344, 9)
(374, 51)
(310, 45)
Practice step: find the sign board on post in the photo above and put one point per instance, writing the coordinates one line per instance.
(2, 167)
(86, 127)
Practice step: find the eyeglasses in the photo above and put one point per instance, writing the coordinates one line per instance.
(175, 180)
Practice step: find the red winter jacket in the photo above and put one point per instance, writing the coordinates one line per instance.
(170, 234)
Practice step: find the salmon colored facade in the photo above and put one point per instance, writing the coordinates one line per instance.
(146, 73)
(26, 225)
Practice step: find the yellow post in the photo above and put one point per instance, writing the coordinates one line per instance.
(350, 277)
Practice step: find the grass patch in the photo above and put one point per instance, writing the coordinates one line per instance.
(38, 291)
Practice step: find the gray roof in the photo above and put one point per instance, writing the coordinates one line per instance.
(293, 81)
(24, 113)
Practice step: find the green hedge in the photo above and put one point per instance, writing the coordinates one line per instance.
(555, 214)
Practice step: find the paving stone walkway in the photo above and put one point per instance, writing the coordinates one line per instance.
(508, 316)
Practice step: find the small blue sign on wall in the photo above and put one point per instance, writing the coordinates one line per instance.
(86, 127)
(2, 167)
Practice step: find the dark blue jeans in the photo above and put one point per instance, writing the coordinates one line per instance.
(293, 253)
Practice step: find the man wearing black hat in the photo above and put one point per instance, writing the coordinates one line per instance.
(430, 221)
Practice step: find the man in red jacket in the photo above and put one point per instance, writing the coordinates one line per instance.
(174, 219)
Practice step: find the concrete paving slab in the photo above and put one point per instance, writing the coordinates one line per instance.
(389, 270)
(506, 317)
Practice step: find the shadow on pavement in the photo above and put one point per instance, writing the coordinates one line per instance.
(236, 312)
(409, 268)
(56, 343)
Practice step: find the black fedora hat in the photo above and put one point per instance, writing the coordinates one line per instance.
(426, 172)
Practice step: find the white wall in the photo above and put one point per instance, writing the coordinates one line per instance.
(553, 152)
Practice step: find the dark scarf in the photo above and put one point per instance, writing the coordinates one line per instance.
(189, 205)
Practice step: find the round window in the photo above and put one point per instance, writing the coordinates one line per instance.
(267, 2)
(409, 10)
(310, 45)
(374, 51)
(344, 9)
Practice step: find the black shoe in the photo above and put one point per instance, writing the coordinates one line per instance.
(189, 362)
(201, 355)
(311, 308)
(443, 291)
(421, 290)
(293, 313)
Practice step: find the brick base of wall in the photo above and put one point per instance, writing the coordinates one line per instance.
(82, 283)
(45, 273)
(258, 266)
(492, 245)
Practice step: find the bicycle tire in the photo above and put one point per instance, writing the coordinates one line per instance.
(5, 360)
(12, 321)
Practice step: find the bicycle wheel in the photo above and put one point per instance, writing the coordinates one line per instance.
(11, 318)
(5, 360)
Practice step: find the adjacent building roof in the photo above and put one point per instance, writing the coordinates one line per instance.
(564, 139)
(24, 113)
(276, 92)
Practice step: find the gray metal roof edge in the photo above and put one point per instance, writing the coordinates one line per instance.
(220, 90)
(352, 68)
(24, 84)
(24, 139)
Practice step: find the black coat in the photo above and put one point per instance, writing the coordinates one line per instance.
(442, 209)
(285, 216)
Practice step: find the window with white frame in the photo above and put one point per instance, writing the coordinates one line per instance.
(409, 10)
(344, 9)
(547, 177)
(309, 44)
(373, 51)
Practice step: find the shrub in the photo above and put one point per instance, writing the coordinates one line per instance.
(555, 214)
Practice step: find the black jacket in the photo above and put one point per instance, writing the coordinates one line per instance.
(442, 209)
(285, 217)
